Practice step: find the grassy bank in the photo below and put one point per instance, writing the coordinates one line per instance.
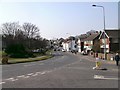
(24, 60)
(0, 52)
(0, 55)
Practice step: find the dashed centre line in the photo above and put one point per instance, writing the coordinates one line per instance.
(2, 82)
(9, 79)
(24, 76)
(43, 72)
(21, 76)
(14, 80)
(30, 74)
(34, 74)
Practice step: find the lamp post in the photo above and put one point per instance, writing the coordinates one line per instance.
(104, 27)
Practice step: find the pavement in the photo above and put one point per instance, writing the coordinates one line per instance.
(91, 58)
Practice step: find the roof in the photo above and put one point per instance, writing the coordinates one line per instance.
(91, 37)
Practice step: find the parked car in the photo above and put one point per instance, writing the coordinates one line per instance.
(63, 50)
(74, 51)
(84, 53)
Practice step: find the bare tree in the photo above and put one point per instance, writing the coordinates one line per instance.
(27, 35)
(30, 30)
(10, 29)
(10, 32)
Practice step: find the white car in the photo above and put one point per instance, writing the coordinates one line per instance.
(84, 53)
(63, 50)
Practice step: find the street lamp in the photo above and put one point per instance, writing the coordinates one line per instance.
(104, 27)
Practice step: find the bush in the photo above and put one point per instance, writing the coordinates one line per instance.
(18, 51)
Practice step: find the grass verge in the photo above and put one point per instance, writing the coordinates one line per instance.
(15, 61)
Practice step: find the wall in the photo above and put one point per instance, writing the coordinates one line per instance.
(108, 56)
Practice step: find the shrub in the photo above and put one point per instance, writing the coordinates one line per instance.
(17, 51)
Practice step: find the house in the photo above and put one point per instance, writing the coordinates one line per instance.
(110, 41)
(69, 44)
(86, 44)
(66, 45)
(90, 41)
(80, 42)
(79, 45)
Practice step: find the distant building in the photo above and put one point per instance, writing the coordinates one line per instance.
(66, 45)
(69, 44)
(79, 45)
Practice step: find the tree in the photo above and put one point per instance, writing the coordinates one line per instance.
(31, 31)
(10, 29)
(21, 40)
(10, 32)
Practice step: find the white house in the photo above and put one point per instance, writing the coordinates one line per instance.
(69, 45)
(89, 41)
(86, 44)
(79, 45)
(66, 45)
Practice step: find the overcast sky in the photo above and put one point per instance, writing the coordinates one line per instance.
(61, 19)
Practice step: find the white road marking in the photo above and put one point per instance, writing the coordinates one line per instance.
(9, 79)
(14, 79)
(38, 72)
(2, 82)
(48, 71)
(111, 78)
(21, 76)
(26, 77)
(102, 77)
(30, 74)
(34, 74)
(43, 72)
(98, 76)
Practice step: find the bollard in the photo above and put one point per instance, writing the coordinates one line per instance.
(98, 64)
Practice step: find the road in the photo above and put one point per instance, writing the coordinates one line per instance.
(65, 70)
